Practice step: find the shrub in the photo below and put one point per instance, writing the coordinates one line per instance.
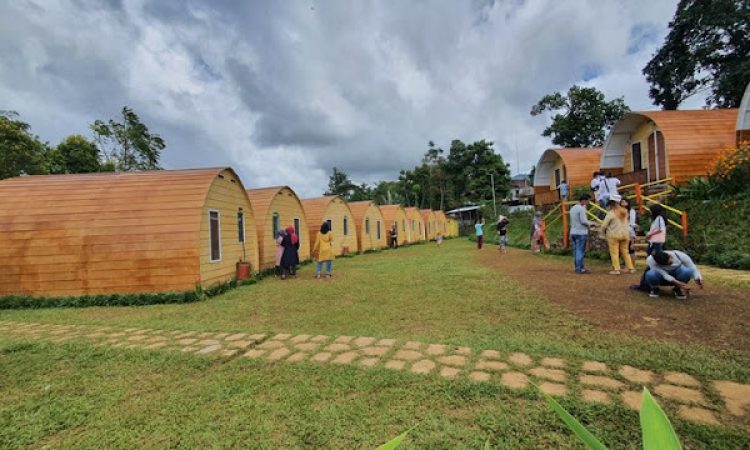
(731, 170)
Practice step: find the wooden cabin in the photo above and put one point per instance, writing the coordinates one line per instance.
(452, 227)
(133, 232)
(395, 214)
(429, 224)
(441, 223)
(414, 225)
(369, 224)
(743, 117)
(277, 208)
(653, 145)
(572, 165)
(334, 210)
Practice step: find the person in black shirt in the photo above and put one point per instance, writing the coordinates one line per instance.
(502, 231)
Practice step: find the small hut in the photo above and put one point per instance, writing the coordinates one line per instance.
(429, 224)
(653, 145)
(133, 232)
(370, 225)
(575, 166)
(277, 208)
(334, 210)
(441, 223)
(414, 225)
(743, 117)
(395, 214)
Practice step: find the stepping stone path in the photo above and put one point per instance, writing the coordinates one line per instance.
(709, 402)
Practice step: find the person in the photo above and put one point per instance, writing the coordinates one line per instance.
(279, 251)
(394, 235)
(290, 258)
(611, 184)
(633, 224)
(479, 230)
(599, 186)
(323, 250)
(657, 233)
(671, 268)
(564, 190)
(617, 231)
(579, 231)
(439, 239)
(502, 232)
(536, 232)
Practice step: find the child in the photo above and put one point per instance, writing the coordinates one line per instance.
(479, 229)
(502, 231)
(439, 239)
(657, 234)
(536, 232)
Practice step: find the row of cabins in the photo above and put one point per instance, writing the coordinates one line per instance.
(171, 230)
(644, 147)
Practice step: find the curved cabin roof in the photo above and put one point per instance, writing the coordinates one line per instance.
(144, 223)
(391, 211)
(441, 220)
(262, 198)
(692, 138)
(579, 163)
(743, 116)
(359, 209)
(315, 209)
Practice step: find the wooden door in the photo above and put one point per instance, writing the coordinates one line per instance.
(657, 157)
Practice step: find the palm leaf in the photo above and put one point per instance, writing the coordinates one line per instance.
(658, 433)
(583, 434)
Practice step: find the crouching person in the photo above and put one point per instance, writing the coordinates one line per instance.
(671, 268)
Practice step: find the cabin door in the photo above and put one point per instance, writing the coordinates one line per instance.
(657, 157)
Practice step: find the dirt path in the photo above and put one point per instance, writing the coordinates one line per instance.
(717, 316)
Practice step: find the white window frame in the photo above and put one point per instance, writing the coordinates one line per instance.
(297, 222)
(218, 224)
(377, 224)
(367, 226)
(345, 226)
(244, 229)
(274, 232)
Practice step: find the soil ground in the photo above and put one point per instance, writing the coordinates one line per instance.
(716, 316)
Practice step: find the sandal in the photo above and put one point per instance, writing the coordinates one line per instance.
(614, 272)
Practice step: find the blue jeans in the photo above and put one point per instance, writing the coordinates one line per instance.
(654, 278)
(579, 250)
(329, 265)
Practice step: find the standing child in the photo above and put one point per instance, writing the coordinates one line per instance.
(324, 250)
(502, 231)
(439, 239)
(536, 232)
(279, 251)
(479, 229)
(657, 233)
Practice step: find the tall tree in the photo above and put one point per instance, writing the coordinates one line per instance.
(76, 154)
(128, 145)
(582, 118)
(708, 47)
(20, 151)
(472, 169)
(340, 184)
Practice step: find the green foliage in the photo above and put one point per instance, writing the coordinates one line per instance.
(76, 154)
(20, 151)
(395, 442)
(31, 302)
(580, 431)
(731, 171)
(708, 47)
(128, 145)
(582, 118)
(340, 184)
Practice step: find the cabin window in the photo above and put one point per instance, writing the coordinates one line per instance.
(377, 225)
(636, 158)
(367, 226)
(241, 225)
(330, 224)
(346, 226)
(214, 232)
(403, 225)
(276, 224)
(296, 228)
(557, 177)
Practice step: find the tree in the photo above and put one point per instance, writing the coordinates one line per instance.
(583, 116)
(340, 184)
(76, 154)
(707, 48)
(471, 169)
(128, 145)
(20, 151)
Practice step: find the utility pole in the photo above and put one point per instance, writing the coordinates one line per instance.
(494, 202)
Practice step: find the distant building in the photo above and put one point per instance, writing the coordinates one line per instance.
(521, 191)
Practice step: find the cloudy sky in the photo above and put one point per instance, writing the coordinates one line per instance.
(284, 90)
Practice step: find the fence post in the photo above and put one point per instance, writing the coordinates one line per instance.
(565, 223)
(639, 198)
(684, 225)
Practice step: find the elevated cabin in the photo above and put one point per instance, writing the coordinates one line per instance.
(743, 117)
(334, 210)
(429, 224)
(277, 208)
(369, 224)
(653, 145)
(572, 165)
(414, 225)
(133, 232)
(395, 214)
(441, 223)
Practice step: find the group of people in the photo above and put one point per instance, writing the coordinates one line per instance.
(605, 188)
(501, 227)
(287, 252)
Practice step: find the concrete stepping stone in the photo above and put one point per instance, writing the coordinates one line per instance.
(239, 344)
(680, 394)
(307, 346)
(345, 358)
(179, 336)
(408, 355)
(337, 347)
(300, 338)
(549, 374)
(364, 341)
(321, 357)
(591, 395)
(412, 345)
(514, 380)
(221, 335)
(386, 342)
(553, 362)
(297, 357)
(137, 337)
(278, 354)
(369, 362)
(256, 337)
(554, 389)
(254, 353)
(209, 349)
(436, 349)
(491, 365)
(235, 337)
(632, 399)
(229, 352)
(281, 337)
(343, 339)
(319, 338)
(463, 351)
(209, 342)
(490, 354)
(187, 341)
(394, 364)
(601, 381)
(594, 366)
(270, 345)
(449, 372)
(736, 396)
(479, 376)
(681, 379)
(453, 360)
(424, 366)
(637, 375)
(520, 359)
(374, 351)
(698, 415)
(156, 345)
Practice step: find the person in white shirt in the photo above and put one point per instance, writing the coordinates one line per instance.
(611, 183)
(671, 268)
(599, 186)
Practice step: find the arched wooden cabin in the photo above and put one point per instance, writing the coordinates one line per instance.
(654, 145)
(414, 225)
(334, 210)
(277, 208)
(452, 226)
(573, 165)
(429, 224)
(133, 232)
(743, 117)
(441, 223)
(395, 214)
(370, 225)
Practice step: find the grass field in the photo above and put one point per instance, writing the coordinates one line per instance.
(75, 395)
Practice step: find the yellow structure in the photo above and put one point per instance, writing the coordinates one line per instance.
(370, 225)
(441, 224)
(452, 226)
(334, 210)
(134, 232)
(429, 224)
(395, 214)
(414, 225)
(277, 208)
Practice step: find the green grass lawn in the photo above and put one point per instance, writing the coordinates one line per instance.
(76, 395)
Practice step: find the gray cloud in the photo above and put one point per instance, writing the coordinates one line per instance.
(283, 91)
